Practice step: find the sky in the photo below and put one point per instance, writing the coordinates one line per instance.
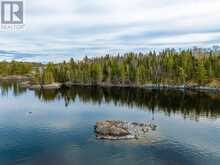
(56, 30)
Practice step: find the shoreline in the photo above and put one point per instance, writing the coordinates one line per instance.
(15, 78)
(25, 82)
(156, 87)
(145, 86)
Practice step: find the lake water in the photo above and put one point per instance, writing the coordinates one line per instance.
(57, 127)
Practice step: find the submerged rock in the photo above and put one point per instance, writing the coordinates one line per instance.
(116, 130)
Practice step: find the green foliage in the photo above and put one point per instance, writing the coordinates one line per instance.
(201, 73)
(168, 67)
(15, 68)
(37, 76)
(48, 75)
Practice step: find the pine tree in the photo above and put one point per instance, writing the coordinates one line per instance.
(201, 73)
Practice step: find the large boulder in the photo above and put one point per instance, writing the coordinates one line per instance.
(115, 130)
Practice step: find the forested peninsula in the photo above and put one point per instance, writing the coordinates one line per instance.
(166, 68)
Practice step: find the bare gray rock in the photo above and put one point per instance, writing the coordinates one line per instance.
(15, 78)
(35, 87)
(25, 84)
(52, 86)
(116, 130)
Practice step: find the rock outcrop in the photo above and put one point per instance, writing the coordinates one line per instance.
(116, 130)
(15, 78)
(195, 87)
(52, 86)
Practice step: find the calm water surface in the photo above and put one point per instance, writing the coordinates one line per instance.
(57, 127)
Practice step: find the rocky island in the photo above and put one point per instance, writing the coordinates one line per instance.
(121, 130)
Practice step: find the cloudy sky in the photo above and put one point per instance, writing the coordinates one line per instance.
(56, 30)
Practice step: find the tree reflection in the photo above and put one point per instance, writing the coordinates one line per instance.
(190, 104)
(5, 87)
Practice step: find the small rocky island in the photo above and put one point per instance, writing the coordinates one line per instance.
(118, 130)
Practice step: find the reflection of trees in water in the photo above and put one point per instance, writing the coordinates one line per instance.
(5, 87)
(189, 104)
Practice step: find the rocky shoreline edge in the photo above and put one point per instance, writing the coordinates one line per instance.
(25, 82)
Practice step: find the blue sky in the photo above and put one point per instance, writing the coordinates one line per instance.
(56, 30)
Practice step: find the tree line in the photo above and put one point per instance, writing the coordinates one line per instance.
(15, 68)
(166, 67)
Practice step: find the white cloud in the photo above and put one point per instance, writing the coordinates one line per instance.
(60, 27)
(188, 38)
